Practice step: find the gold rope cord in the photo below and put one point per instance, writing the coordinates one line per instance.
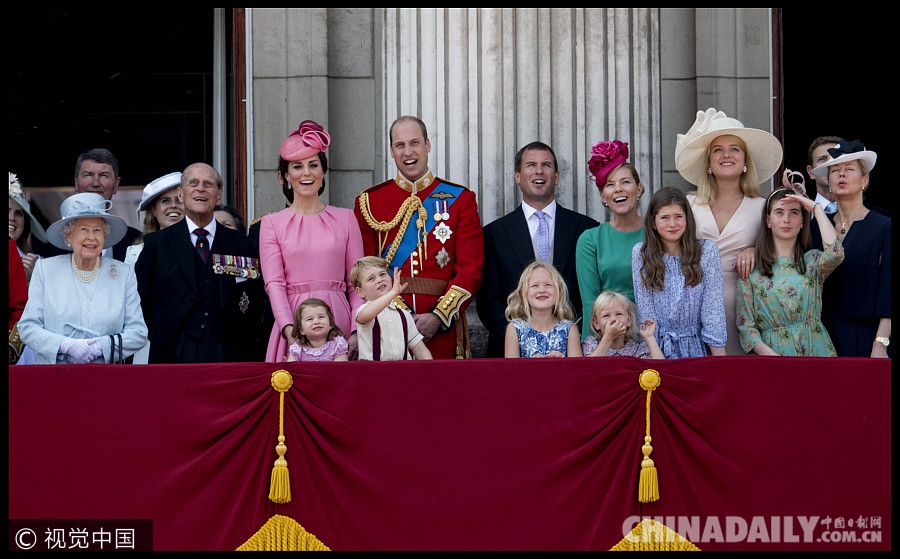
(280, 483)
(650, 535)
(648, 488)
(409, 207)
(283, 533)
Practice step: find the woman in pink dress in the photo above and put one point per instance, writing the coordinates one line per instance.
(308, 249)
(727, 162)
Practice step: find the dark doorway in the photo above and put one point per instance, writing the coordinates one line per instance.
(829, 89)
(138, 82)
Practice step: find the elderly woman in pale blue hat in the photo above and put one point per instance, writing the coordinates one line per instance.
(83, 308)
(23, 225)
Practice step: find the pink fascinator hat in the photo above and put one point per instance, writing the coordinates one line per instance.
(304, 142)
(606, 156)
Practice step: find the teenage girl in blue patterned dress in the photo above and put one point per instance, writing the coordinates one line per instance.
(541, 316)
(678, 280)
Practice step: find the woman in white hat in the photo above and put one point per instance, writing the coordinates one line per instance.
(162, 207)
(727, 161)
(83, 308)
(24, 228)
(856, 300)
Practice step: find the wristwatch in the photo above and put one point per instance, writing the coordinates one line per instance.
(883, 340)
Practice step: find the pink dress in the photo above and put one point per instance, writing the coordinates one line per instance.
(328, 351)
(739, 233)
(305, 256)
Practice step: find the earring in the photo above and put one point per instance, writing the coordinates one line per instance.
(290, 187)
(605, 205)
(709, 170)
(745, 168)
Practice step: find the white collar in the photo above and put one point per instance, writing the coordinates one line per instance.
(210, 227)
(549, 211)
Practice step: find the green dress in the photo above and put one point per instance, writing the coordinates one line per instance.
(603, 262)
(785, 311)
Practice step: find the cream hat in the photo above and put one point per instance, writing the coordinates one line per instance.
(86, 204)
(692, 159)
(846, 151)
(17, 194)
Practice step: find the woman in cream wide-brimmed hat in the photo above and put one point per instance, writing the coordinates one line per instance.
(727, 161)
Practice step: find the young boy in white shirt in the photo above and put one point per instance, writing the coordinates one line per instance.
(385, 331)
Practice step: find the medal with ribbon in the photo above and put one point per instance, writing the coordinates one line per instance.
(237, 266)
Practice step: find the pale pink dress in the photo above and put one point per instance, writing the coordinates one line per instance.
(739, 233)
(305, 256)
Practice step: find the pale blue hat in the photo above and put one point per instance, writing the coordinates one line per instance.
(86, 204)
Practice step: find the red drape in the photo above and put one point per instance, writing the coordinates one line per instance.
(486, 454)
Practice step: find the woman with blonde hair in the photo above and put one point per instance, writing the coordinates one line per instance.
(727, 161)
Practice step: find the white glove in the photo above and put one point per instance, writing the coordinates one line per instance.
(80, 351)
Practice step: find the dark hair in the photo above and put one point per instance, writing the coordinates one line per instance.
(24, 240)
(539, 146)
(765, 242)
(100, 155)
(818, 142)
(238, 220)
(335, 330)
(283, 169)
(407, 118)
(653, 269)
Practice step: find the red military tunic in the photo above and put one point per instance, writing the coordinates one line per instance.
(448, 246)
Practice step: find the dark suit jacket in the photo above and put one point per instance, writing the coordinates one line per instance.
(47, 249)
(167, 283)
(508, 250)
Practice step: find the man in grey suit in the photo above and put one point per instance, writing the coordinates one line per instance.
(199, 281)
(509, 241)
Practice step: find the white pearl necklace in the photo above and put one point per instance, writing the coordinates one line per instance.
(85, 278)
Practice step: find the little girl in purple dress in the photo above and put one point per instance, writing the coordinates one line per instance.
(318, 337)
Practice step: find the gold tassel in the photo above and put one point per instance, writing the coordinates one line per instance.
(280, 484)
(648, 489)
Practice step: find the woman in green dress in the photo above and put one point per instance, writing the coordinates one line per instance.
(603, 253)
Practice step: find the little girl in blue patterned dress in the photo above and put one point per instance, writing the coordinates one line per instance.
(541, 316)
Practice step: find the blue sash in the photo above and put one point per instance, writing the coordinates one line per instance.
(410, 237)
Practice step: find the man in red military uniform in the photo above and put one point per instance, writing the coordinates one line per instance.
(431, 230)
